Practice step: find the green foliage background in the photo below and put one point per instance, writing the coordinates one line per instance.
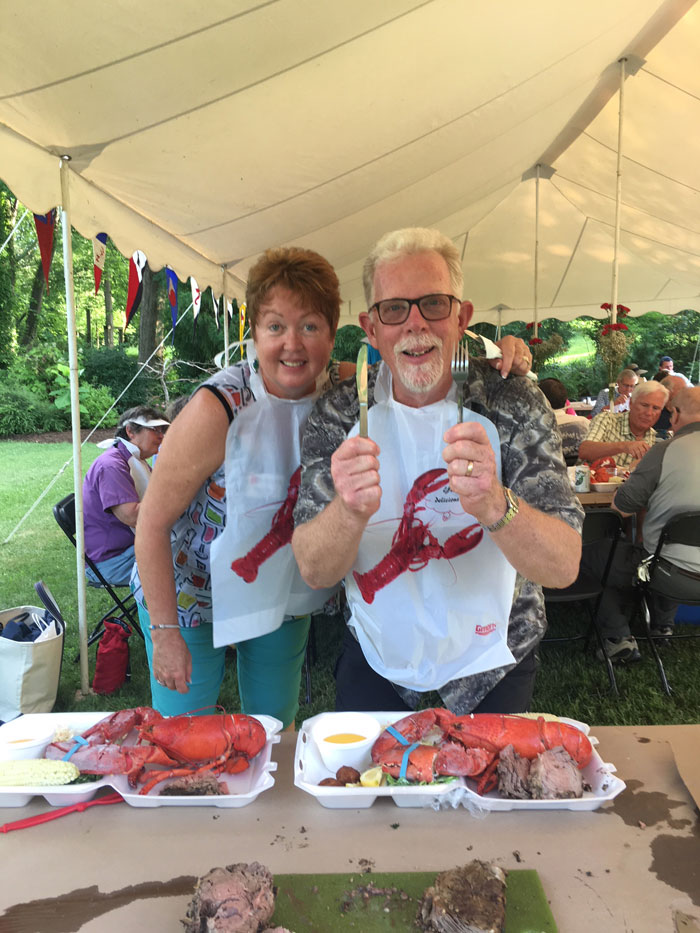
(32, 362)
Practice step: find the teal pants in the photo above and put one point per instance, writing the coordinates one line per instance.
(269, 671)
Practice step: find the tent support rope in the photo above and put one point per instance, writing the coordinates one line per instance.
(83, 443)
(14, 230)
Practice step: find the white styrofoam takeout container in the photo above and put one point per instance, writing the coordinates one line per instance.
(243, 788)
(309, 770)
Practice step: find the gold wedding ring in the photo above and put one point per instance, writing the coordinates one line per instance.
(470, 468)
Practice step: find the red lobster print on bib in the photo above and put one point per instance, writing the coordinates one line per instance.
(414, 544)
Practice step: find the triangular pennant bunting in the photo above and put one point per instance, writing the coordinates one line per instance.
(137, 264)
(172, 297)
(229, 308)
(215, 300)
(45, 225)
(196, 301)
(99, 252)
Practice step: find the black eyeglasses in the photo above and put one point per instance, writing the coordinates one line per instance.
(396, 310)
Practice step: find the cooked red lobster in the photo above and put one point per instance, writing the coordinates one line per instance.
(600, 468)
(185, 745)
(469, 745)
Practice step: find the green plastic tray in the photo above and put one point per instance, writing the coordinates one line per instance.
(323, 903)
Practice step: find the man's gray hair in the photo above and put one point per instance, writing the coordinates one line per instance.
(627, 374)
(648, 388)
(407, 242)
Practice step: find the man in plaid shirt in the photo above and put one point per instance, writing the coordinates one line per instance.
(626, 435)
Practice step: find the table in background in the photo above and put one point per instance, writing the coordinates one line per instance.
(582, 408)
(596, 499)
(626, 866)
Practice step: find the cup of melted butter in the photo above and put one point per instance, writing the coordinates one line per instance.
(345, 739)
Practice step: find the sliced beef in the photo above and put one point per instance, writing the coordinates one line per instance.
(469, 899)
(195, 785)
(554, 774)
(237, 899)
(513, 774)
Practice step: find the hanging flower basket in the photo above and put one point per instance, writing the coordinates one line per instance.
(615, 341)
(543, 350)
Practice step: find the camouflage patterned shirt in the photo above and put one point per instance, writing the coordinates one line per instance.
(531, 465)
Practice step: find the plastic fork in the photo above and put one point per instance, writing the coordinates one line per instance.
(460, 372)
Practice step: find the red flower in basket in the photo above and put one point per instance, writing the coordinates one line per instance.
(530, 325)
(534, 340)
(608, 327)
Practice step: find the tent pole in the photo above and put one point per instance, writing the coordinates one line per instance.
(66, 230)
(618, 194)
(225, 313)
(537, 246)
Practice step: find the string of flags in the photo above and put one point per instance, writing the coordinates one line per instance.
(45, 225)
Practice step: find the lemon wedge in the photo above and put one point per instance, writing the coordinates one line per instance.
(373, 777)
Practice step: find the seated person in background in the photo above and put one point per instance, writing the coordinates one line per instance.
(112, 492)
(665, 483)
(625, 383)
(572, 428)
(626, 436)
(674, 384)
(639, 373)
(448, 595)
(666, 365)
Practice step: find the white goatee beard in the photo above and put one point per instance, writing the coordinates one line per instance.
(423, 378)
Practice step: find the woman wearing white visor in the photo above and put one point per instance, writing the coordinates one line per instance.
(113, 489)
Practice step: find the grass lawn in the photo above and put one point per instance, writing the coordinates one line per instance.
(570, 682)
(580, 347)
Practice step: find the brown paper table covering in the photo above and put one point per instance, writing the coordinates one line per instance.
(627, 866)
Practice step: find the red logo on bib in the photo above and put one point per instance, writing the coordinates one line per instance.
(486, 629)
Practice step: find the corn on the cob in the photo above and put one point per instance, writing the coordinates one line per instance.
(36, 772)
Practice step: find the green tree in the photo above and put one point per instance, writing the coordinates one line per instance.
(7, 214)
(347, 343)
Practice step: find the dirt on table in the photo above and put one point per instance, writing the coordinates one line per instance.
(62, 437)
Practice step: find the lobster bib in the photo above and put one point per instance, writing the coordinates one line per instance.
(430, 593)
(254, 578)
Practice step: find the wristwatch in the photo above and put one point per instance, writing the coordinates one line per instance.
(513, 504)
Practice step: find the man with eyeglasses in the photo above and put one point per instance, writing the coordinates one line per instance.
(626, 435)
(444, 531)
(112, 491)
(625, 384)
(665, 483)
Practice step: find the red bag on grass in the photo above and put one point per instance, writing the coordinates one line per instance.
(112, 664)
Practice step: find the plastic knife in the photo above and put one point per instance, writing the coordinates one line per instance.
(361, 377)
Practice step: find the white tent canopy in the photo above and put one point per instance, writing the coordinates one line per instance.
(203, 133)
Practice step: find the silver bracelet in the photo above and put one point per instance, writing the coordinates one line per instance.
(154, 627)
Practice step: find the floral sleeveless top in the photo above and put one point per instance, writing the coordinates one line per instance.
(205, 518)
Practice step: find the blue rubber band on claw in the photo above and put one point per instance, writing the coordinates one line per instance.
(397, 735)
(79, 740)
(404, 760)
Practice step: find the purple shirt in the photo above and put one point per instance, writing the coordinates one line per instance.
(107, 483)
